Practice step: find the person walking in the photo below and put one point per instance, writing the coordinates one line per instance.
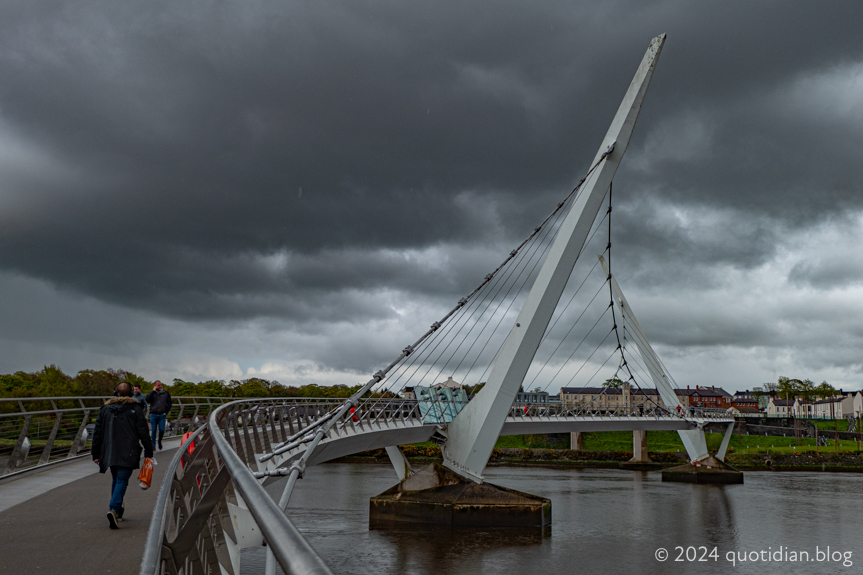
(118, 437)
(140, 397)
(160, 404)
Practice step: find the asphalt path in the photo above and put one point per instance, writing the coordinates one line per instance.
(65, 530)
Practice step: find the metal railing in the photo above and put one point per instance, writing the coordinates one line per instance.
(599, 409)
(211, 504)
(40, 431)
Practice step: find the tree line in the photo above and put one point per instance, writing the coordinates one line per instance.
(51, 381)
(790, 388)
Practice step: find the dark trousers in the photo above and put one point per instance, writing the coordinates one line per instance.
(119, 484)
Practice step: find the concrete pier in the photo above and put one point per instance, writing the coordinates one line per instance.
(437, 496)
(576, 441)
(640, 459)
(707, 471)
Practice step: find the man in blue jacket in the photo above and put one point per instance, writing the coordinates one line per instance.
(120, 432)
(160, 404)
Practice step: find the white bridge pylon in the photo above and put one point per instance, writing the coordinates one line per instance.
(472, 435)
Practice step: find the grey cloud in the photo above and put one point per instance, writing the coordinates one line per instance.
(298, 164)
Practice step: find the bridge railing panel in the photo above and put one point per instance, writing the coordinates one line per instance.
(210, 505)
(39, 431)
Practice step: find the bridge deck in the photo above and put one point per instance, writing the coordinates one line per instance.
(64, 530)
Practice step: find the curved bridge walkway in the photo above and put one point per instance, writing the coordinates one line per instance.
(54, 521)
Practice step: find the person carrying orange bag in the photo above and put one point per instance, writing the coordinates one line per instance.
(119, 437)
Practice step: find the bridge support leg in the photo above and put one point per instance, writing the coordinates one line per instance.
(576, 441)
(720, 455)
(639, 446)
(640, 459)
(400, 462)
(710, 469)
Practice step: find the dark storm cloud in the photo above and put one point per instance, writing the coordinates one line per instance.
(272, 158)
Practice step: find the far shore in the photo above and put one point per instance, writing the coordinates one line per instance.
(564, 458)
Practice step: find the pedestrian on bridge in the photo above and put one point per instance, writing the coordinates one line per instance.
(160, 404)
(120, 432)
(139, 396)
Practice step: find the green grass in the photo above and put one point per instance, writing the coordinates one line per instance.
(830, 424)
(670, 441)
(622, 441)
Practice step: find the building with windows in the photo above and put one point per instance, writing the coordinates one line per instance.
(610, 398)
(780, 407)
(745, 400)
(523, 398)
(704, 397)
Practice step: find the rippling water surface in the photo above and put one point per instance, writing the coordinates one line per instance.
(603, 521)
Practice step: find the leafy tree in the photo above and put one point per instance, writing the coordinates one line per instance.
(212, 388)
(181, 387)
(102, 382)
(253, 387)
(474, 389)
(824, 390)
(53, 382)
(613, 383)
(768, 388)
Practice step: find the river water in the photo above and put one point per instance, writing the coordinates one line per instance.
(603, 521)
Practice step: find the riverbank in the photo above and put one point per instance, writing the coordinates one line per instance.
(571, 458)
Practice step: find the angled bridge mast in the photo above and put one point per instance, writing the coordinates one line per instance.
(471, 436)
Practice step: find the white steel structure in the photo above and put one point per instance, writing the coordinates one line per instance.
(473, 433)
(212, 504)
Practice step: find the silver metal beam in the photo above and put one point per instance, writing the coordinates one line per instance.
(474, 431)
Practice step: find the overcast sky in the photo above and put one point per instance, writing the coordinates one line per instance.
(296, 190)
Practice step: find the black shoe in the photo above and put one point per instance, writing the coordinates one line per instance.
(113, 520)
(160, 445)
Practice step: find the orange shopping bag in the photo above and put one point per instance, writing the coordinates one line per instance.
(146, 475)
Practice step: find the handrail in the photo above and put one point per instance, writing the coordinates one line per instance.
(71, 424)
(210, 503)
(153, 544)
(215, 506)
(292, 551)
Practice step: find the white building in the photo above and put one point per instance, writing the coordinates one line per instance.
(779, 407)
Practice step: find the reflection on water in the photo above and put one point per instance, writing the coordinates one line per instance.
(603, 521)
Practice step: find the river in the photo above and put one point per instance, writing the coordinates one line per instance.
(603, 521)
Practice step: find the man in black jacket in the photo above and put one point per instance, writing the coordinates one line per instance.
(160, 404)
(120, 432)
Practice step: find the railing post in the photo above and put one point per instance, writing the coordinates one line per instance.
(49, 445)
(81, 436)
(13, 462)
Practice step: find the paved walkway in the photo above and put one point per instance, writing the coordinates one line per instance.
(54, 521)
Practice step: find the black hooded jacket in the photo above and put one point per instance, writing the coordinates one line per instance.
(160, 402)
(120, 431)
